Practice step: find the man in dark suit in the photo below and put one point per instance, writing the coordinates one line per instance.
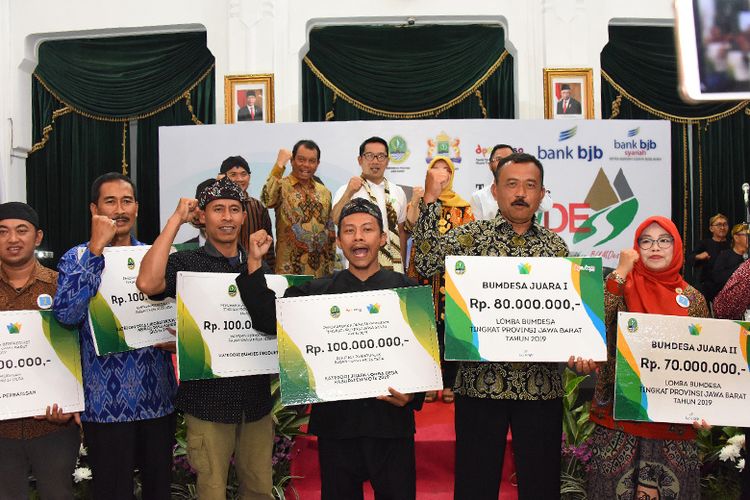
(567, 105)
(250, 112)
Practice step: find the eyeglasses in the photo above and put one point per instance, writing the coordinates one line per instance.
(372, 156)
(720, 224)
(663, 243)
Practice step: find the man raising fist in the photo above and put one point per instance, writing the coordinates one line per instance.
(128, 421)
(224, 415)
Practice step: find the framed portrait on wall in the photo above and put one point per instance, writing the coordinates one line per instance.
(568, 93)
(248, 98)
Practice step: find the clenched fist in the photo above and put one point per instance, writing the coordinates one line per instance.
(628, 258)
(354, 185)
(186, 209)
(283, 157)
(258, 245)
(437, 179)
(416, 194)
(103, 230)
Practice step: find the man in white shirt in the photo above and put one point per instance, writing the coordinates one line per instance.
(483, 204)
(389, 197)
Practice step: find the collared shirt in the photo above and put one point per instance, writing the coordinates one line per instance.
(495, 237)
(226, 400)
(43, 281)
(305, 234)
(483, 204)
(121, 387)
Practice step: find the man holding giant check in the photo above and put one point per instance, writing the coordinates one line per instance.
(353, 346)
(490, 396)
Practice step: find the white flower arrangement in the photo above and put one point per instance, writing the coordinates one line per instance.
(81, 474)
(733, 449)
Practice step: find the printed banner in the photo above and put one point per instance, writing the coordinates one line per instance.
(40, 365)
(121, 317)
(524, 308)
(681, 369)
(356, 345)
(601, 173)
(215, 335)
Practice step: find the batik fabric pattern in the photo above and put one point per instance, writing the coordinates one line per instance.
(305, 233)
(122, 387)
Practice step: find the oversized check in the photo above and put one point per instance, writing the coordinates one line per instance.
(540, 309)
(40, 364)
(681, 369)
(356, 345)
(121, 317)
(215, 335)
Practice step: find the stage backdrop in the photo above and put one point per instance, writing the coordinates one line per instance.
(605, 177)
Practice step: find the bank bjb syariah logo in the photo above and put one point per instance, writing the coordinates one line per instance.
(444, 145)
(634, 147)
(131, 263)
(613, 202)
(398, 150)
(14, 327)
(335, 311)
(232, 291)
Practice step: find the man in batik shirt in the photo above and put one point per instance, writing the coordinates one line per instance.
(305, 233)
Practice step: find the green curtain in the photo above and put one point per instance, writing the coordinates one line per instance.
(84, 94)
(639, 81)
(390, 72)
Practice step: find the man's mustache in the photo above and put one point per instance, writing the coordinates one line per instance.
(520, 203)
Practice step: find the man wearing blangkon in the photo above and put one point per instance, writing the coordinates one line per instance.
(492, 396)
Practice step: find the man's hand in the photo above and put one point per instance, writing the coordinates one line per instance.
(437, 179)
(396, 398)
(702, 256)
(257, 247)
(55, 415)
(103, 230)
(628, 258)
(185, 209)
(585, 366)
(283, 157)
(416, 194)
(354, 185)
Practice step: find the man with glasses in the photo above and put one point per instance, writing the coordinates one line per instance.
(704, 256)
(305, 233)
(390, 198)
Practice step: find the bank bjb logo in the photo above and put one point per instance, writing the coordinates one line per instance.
(444, 145)
(335, 311)
(398, 150)
(613, 202)
(633, 146)
(460, 267)
(14, 327)
(131, 263)
(232, 291)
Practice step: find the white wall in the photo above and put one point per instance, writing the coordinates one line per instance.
(270, 36)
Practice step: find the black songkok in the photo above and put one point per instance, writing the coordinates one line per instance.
(361, 206)
(18, 210)
(224, 189)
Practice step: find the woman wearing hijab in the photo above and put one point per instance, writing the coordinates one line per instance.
(637, 460)
(455, 212)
